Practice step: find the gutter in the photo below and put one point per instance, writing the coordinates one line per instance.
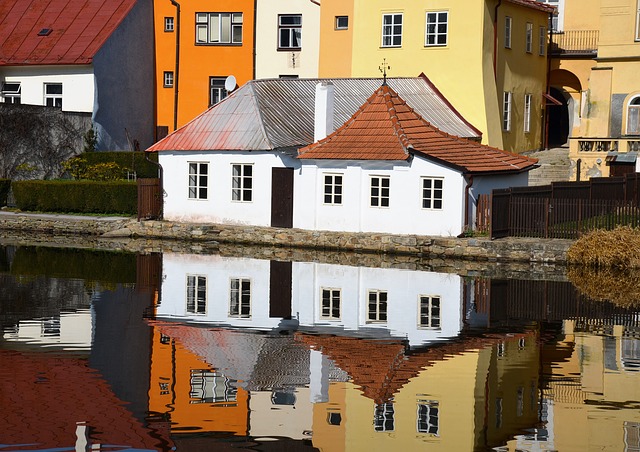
(177, 68)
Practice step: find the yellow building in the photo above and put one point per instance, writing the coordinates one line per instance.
(488, 57)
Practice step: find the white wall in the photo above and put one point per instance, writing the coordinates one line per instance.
(272, 63)
(404, 215)
(219, 208)
(484, 185)
(77, 84)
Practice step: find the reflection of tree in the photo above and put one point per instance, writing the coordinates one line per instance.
(607, 284)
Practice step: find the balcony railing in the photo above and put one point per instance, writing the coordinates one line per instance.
(575, 42)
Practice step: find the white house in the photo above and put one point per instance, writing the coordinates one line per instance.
(91, 57)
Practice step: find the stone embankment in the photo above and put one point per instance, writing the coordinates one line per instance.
(208, 235)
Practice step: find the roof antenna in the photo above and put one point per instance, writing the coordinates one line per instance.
(383, 69)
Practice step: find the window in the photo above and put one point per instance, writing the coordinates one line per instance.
(218, 28)
(211, 386)
(377, 307)
(198, 180)
(507, 31)
(383, 417)
(529, 37)
(290, 31)
(638, 22)
(342, 22)
(633, 117)
(196, 294)
(506, 111)
(391, 30)
(53, 95)
(330, 308)
(432, 193)
(240, 298)
(527, 113)
(333, 189)
(241, 182)
(168, 24)
(428, 417)
(11, 92)
(436, 29)
(334, 418)
(380, 191)
(217, 91)
(542, 41)
(167, 79)
(429, 312)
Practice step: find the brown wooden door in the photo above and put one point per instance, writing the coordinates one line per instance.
(149, 199)
(282, 197)
(280, 290)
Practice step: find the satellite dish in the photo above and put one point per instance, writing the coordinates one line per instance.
(230, 83)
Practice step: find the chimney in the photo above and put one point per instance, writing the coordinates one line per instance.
(323, 122)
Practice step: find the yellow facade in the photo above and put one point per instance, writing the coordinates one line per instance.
(460, 61)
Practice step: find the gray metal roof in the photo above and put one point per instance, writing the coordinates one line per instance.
(279, 113)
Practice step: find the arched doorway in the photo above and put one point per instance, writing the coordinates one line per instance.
(558, 119)
(563, 118)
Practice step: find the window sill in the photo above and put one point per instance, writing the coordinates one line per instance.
(219, 44)
(391, 47)
(289, 49)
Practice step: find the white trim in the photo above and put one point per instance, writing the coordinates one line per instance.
(508, 25)
(436, 34)
(506, 111)
(392, 35)
(527, 113)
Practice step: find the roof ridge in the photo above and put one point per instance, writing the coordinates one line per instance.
(387, 94)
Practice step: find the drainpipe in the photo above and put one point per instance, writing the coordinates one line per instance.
(177, 68)
(495, 39)
(466, 205)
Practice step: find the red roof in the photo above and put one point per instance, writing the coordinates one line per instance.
(386, 128)
(535, 4)
(77, 29)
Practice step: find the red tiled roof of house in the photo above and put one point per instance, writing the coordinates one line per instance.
(78, 29)
(386, 128)
(535, 5)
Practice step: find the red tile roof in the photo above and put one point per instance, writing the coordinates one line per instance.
(79, 28)
(386, 128)
(535, 5)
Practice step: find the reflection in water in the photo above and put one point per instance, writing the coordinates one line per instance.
(198, 352)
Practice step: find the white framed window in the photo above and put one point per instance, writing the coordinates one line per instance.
(211, 386)
(527, 113)
(196, 294)
(289, 31)
(53, 95)
(198, 180)
(508, 22)
(633, 116)
(11, 92)
(638, 22)
(436, 30)
(377, 306)
(392, 30)
(432, 190)
(529, 37)
(167, 79)
(240, 298)
(217, 90)
(428, 417)
(429, 311)
(384, 417)
(242, 182)
(542, 40)
(333, 189)
(506, 111)
(380, 191)
(168, 24)
(218, 28)
(342, 22)
(330, 304)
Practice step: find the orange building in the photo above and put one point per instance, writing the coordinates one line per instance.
(197, 48)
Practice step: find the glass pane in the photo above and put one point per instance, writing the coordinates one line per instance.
(237, 18)
(285, 40)
(225, 29)
(54, 88)
(237, 33)
(296, 37)
(201, 18)
(201, 33)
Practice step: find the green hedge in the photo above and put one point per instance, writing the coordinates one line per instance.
(5, 184)
(76, 196)
(132, 160)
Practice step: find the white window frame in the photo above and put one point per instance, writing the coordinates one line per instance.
(217, 90)
(380, 187)
(167, 79)
(240, 298)
(432, 193)
(508, 25)
(290, 34)
(330, 303)
(392, 31)
(506, 110)
(377, 306)
(342, 23)
(428, 417)
(242, 182)
(384, 417)
(542, 40)
(529, 37)
(11, 94)
(217, 28)
(332, 189)
(169, 24)
(435, 36)
(196, 294)
(527, 113)
(638, 22)
(198, 180)
(430, 312)
(55, 99)
(633, 116)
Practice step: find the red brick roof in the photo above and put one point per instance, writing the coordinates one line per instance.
(78, 29)
(386, 128)
(535, 5)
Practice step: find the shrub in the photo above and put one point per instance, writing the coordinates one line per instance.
(619, 248)
(5, 185)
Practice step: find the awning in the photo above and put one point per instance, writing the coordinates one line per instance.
(621, 157)
(551, 99)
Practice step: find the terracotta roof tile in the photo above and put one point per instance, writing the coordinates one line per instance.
(386, 128)
(535, 5)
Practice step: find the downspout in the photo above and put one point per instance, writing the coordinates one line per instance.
(495, 39)
(176, 78)
(466, 206)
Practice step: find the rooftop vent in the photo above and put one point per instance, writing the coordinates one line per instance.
(45, 32)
